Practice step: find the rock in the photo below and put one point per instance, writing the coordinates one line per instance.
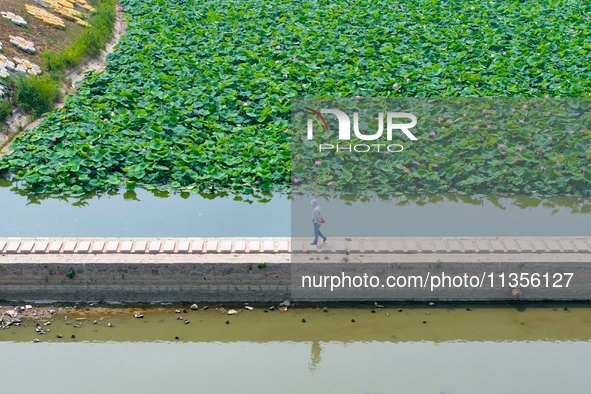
(431, 304)
(22, 308)
(264, 310)
(232, 312)
(47, 323)
(28, 307)
(179, 318)
(12, 314)
(138, 316)
(80, 318)
(271, 308)
(35, 340)
(285, 303)
(73, 336)
(59, 336)
(109, 325)
(176, 338)
(352, 320)
(325, 309)
(303, 320)
(250, 308)
(187, 322)
(227, 321)
(184, 311)
(77, 325)
(205, 308)
(469, 309)
(400, 310)
(95, 322)
(177, 311)
(52, 311)
(373, 310)
(194, 307)
(424, 322)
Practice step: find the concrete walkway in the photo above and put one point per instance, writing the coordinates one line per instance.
(430, 245)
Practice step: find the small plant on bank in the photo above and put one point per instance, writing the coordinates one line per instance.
(5, 110)
(439, 264)
(71, 273)
(262, 265)
(36, 95)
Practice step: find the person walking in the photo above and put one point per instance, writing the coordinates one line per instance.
(317, 221)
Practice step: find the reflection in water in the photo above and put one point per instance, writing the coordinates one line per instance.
(316, 356)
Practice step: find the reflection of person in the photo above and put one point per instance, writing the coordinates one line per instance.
(317, 221)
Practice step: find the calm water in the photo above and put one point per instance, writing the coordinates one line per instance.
(144, 214)
(531, 349)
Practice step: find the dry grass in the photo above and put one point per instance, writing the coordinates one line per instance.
(43, 36)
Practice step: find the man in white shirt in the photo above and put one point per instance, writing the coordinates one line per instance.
(317, 221)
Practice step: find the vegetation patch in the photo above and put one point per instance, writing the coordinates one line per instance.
(198, 98)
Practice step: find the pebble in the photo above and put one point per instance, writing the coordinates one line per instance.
(352, 320)
(177, 338)
(137, 316)
(264, 310)
(73, 336)
(469, 309)
(187, 322)
(400, 310)
(47, 323)
(179, 318)
(232, 312)
(250, 308)
(227, 321)
(303, 320)
(59, 336)
(373, 310)
(35, 340)
(325, 309)
(177, 311)
(565, 308)
(431, 304)
(95, 322)
(424, 322)
(185, 311)
(205, 308)
(109, 325)
(271, 308)
(194, 307)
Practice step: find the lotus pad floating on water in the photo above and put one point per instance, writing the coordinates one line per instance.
(198, 96)
(16, 19)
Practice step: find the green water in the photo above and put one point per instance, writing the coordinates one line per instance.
(533, 348)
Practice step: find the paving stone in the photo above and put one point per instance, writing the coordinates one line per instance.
(340, 246)
(268, 246)
(55, 246)
(524, 245)
(440, 246)
(566, 245)
(154, 247)
(511, 246)
(70, 246)
(581, 246)
(397, 247)
(197, 246)
(297, 246)
(282, 246)
(553, 246)
(141, 246)
(2, 245)
(539, 246)
(383, 247)
(212, 246)
(183, 247)
(240, 246)
(40, 247)
(454, 246)
(426, 246)
(225, 246)
(169, 246)
(112, 246)
(354, 247)
(13, 246)
(497, 246)
(411, 246)
(98, 247)
(468, 246)
(482, 246)
(83, 247)
(254, 246)
(126, 247)
(27, 247)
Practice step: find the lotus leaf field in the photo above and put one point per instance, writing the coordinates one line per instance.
(197, 96)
